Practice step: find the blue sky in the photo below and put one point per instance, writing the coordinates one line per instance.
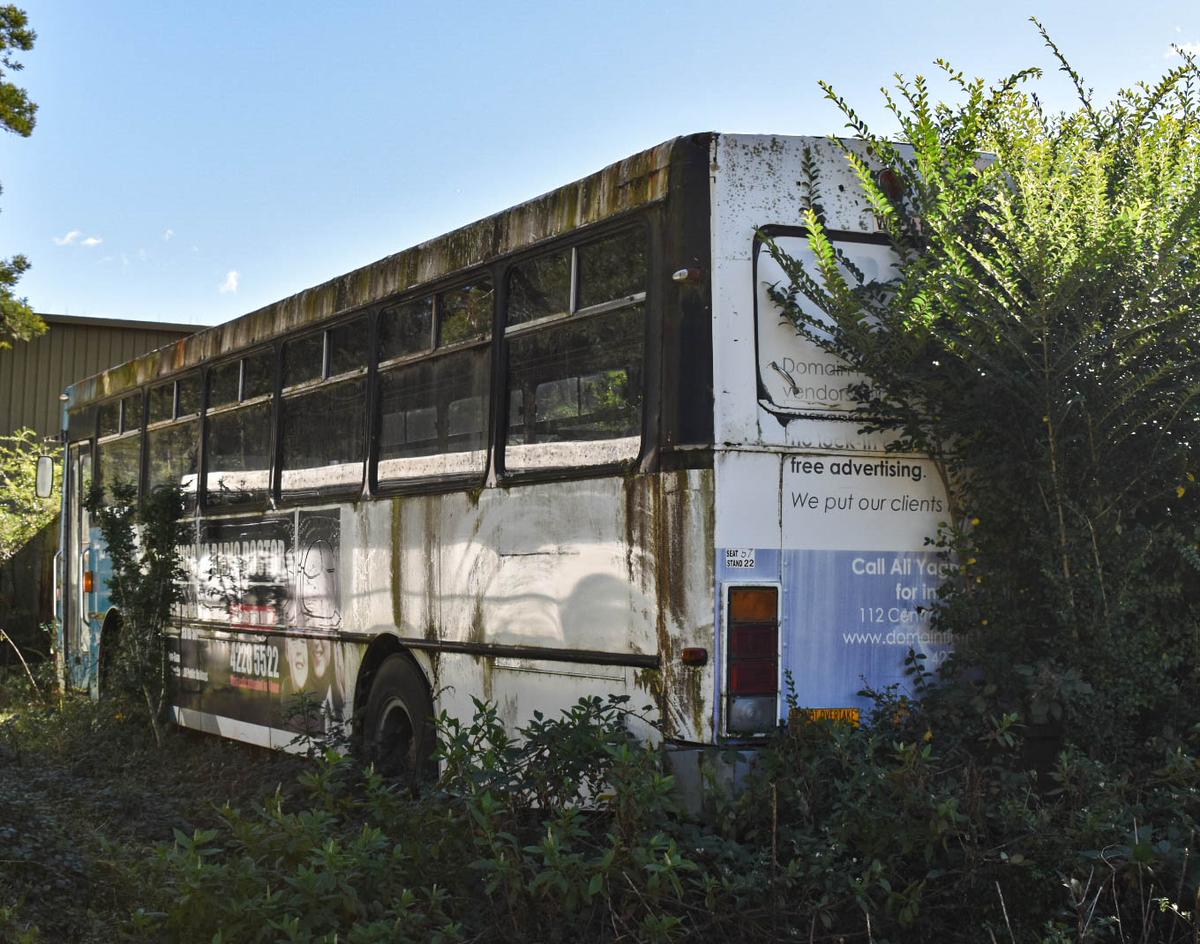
(192, 162)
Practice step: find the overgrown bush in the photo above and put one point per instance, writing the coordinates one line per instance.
(1040, 338)
(142, 541)
(908, 829)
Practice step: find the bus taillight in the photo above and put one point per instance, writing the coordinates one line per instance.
(752, 659)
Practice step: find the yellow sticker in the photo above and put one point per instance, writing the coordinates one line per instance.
(847, 715)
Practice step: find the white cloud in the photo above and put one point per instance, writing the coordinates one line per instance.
(1192, 49)
(231, 282)
(73, 238)
(167, 234)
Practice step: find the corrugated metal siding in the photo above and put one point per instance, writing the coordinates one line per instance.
(34, 373)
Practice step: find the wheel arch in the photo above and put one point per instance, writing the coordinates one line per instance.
(106, 648)
(379, 648)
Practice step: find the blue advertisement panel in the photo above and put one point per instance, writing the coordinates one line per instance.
(852, 617)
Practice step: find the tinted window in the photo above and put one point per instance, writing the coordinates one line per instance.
(406, 328)
(431, 409)
(576, 381)
(303, 359)
(466, 313)
(539, 288)
(109, 418)
(162, 402)
(188, 402)
(612, 268)
(223, 384)
(323, 438)
(171, 457)
(238, 455)
(348, 347)
(120, 461)
(258, 374)
(131, 412)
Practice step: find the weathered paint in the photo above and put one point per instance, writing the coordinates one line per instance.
(625, 565)
(838, 625)
(615, 564)
(635, 182)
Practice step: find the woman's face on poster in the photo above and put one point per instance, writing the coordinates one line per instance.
(320, 657)
(297, 658)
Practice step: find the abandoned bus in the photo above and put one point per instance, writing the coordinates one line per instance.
(569, 449)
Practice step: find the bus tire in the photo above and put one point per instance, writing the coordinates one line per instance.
(399, 734)
(109, 678)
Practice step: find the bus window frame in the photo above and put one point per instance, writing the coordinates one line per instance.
(278, 497)
(650, 226)
(448, 482)
(204, 505)
(98, 442)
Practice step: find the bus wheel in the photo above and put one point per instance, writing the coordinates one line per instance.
(110, 643)
(399, 733)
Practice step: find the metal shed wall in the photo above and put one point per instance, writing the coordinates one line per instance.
(34, 373)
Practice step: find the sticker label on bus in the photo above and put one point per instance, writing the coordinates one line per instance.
(739, 558)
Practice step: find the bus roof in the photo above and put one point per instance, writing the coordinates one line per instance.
(636, 181)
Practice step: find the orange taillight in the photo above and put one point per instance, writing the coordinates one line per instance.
(752, 604)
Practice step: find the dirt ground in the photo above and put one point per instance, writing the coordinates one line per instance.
(85, 796)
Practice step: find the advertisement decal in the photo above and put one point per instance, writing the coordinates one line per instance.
(273, 581)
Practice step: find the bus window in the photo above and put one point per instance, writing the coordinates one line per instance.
(131, 412)
(162, 402)
(171, 457)
(465, 313)
(119, 462)
(576, 382)
(540, 288)
(612, 269)
(348, 347)
(223, 384)
(237, 454)
(323, 441)
(258, 374)
(187, 396)
(405, 329)
(304, 359)
(574, 366)
(433, 417)
(109, 418)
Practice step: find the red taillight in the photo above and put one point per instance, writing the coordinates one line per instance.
(752, 659)
(753, 642)
(753, 678)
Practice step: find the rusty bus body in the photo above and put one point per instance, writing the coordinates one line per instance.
(626, 476)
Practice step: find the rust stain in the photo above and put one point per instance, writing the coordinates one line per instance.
(432, 547)
(488, 665)
(397, 563)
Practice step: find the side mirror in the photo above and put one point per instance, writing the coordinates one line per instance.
(45, 476)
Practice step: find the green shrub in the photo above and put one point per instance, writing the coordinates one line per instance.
(919, 826)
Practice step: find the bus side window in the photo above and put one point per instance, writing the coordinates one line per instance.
(237, 454)
(237, 443)
(575, 380)
(433, 416)
(119, 461)
(322, 431)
